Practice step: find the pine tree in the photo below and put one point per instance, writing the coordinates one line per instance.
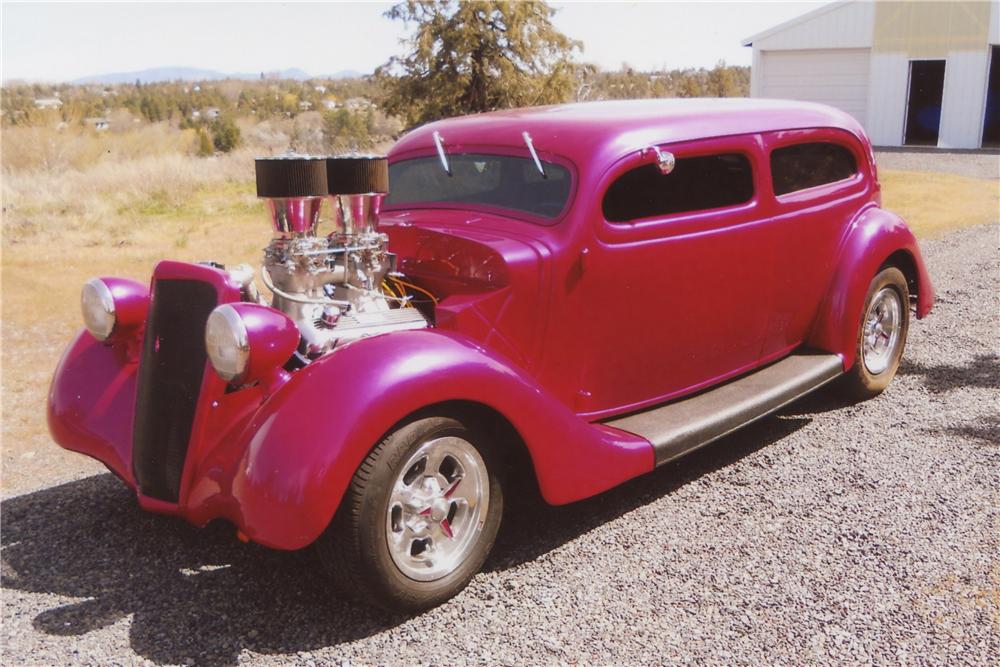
(469, 57)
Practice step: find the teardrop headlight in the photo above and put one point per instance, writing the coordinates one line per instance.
(228, 343)
(98, 307)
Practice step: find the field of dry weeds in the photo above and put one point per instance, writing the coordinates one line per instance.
(116, 214)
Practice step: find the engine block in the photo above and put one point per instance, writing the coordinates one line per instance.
(332, 286)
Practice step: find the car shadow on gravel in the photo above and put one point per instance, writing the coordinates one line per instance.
(198, 596)
(982, 372)
(986, 432)
(532, 528)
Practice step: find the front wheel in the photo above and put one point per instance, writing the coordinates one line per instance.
(881, 335)
(419, 518)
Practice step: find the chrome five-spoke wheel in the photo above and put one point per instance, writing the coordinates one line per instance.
(419, 516)
(437, 508)
(881, 333)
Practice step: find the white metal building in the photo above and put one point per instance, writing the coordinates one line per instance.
(913, 73)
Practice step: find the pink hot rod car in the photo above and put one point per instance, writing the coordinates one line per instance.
(572, 294)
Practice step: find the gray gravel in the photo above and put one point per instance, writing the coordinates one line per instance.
(828, 534)
(976, 165)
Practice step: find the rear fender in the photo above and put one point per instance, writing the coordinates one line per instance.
(873, 238)
(305, 443)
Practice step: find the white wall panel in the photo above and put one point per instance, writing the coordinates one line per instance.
(890, 76)
(846, 26)
(964, 98)
(995, 22)
(756, 74)
(838, 77)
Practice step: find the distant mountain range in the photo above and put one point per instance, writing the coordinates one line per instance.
(161, 74)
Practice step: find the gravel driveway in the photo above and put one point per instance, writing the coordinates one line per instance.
(829, 533)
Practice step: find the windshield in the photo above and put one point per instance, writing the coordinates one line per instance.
(498, 181)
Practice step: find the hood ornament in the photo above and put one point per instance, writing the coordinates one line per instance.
(665, 160)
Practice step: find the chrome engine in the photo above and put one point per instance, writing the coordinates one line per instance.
(334, 287)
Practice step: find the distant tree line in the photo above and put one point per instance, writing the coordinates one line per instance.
(721, 81)
(460, 58)
(180, 102)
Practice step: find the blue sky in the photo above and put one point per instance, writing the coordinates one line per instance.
(65, 41)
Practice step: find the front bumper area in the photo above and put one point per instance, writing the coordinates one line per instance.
(91, 410)
(149, 406)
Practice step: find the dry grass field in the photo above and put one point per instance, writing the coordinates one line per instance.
(117, 215)
(935, 203)
(78, 206)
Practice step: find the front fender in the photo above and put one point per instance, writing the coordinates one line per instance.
(306, 442)
(91, 401)
(874, 237)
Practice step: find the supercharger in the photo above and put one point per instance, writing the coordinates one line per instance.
(334, 286)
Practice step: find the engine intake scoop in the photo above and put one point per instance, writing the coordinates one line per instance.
(357, 175)
(294, 187)
(356, 185)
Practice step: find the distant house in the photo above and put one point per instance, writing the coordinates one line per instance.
(48, 103)
(195, 114)
(305, 105)
(320, 89)
(356, 103)
(330, 105)
(99, 124)
(211, 113)
(912, 73)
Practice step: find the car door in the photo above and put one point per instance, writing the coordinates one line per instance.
(819, 181)
(677, 280)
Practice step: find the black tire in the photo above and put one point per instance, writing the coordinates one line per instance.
(355, 548)
(863, 382)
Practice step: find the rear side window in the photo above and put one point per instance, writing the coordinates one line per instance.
(802, 166)
(695, 184)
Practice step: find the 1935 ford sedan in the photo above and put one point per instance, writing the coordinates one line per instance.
(574, 294)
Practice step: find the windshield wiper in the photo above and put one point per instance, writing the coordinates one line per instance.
(534, 154)
(439, 143)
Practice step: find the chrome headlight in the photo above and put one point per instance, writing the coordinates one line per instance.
(98, 306)
(228, 343)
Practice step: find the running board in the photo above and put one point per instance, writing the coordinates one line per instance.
(682, 426)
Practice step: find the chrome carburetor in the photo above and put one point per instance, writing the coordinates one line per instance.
(330, 286)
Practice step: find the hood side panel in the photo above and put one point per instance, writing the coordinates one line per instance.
(489, 286)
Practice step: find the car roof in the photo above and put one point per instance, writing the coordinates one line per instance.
(603, 131)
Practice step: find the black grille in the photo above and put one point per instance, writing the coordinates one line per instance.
(170, 375)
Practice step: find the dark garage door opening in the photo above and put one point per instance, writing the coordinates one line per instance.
(923, 111)
(991, 122)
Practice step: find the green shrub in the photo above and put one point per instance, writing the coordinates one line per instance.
(225, 135)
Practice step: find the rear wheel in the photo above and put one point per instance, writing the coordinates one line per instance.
(419, 518)
(881, 335)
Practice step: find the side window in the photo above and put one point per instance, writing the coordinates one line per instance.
(695, 184)
(804, 166)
